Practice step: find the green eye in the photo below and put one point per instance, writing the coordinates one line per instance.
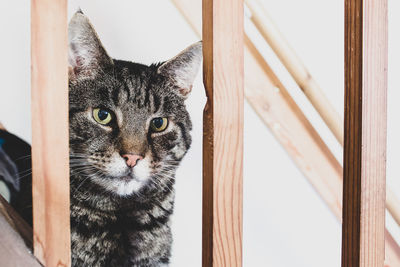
(159, 124)
(102, 116)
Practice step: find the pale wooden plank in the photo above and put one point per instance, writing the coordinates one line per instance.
(279, 112)
(306, 82)
(364, 180)
(223, 132)
(273, 104)
(393, 205)
(50, 160)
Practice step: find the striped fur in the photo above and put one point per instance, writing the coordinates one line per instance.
(121, 219)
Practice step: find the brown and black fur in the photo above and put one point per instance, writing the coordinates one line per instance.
(107, 231)
(120, 215)
(110, 229)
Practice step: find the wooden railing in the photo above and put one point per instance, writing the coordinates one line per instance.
(50, 148)
(224, 56)
(364, 164)
(276, 108)
(223, 132)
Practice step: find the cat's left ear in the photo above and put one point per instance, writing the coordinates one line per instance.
(86, 55)
(183, 68)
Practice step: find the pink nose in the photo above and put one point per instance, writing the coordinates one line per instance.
(131, 159)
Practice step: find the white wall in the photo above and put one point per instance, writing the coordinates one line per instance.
(285, 222)
(15, 67)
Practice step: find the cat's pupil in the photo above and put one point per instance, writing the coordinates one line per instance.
(158, 122)
(103, 114)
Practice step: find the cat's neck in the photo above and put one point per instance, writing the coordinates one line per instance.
(91, 195)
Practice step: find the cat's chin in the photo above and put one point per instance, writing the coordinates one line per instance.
(126, 178)
(127, 186)
(123, 186)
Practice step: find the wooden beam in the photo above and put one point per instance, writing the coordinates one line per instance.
(223, 132)
(311, 89)
(363, 241)
(50, 149)
(306, 82)
(275, 107)
(393, 205)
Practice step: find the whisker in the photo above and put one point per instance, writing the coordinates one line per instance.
(23, 157)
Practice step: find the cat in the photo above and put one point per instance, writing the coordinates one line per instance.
(129, 130)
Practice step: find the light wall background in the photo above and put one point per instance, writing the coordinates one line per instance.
(285, 221)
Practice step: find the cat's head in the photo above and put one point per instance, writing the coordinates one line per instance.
(129, 127)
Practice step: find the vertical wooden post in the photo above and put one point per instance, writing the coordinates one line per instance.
(50, 160)
(223, 132)
(363, 242)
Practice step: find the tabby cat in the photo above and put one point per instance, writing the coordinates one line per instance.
(129, 130)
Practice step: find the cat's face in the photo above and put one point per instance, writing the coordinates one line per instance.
(129, 127)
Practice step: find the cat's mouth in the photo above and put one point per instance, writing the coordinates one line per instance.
(127, 178)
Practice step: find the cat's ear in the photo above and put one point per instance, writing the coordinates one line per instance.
(86, 55)
(183, 68)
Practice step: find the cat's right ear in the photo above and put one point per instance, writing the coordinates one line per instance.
(86, 55)
(182, 69)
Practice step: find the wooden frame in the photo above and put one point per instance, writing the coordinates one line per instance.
(224, 123)
(223, 132)
(50, 148)
(365, 132)
(279, 112)
(266, 27)
(299, 72)
(276, 108)
(363, 242)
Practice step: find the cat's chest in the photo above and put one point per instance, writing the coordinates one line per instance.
(127, 236)
(131, 230)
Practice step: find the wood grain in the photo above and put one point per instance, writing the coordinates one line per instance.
(223, 132)
(306, 82)
(50, 160)
(275, 107)
(363, 241)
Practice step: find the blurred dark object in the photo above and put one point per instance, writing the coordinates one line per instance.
(16, 173)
